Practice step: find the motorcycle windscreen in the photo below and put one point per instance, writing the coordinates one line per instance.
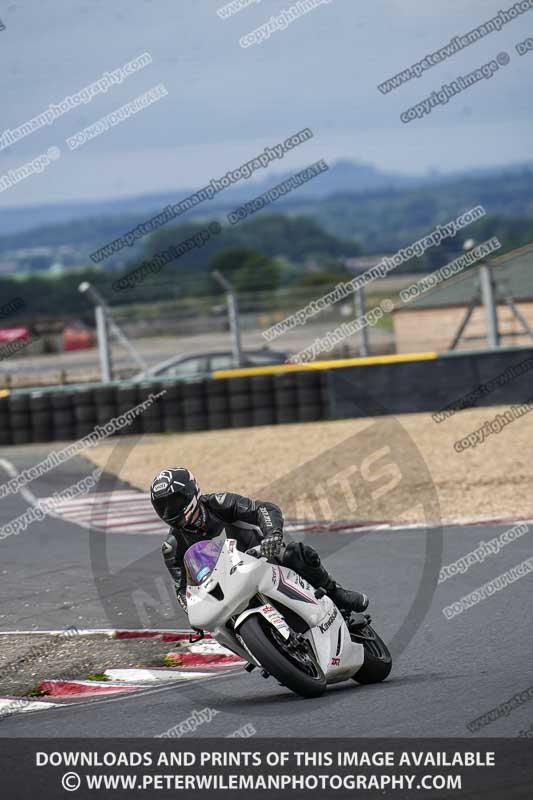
(200, 560)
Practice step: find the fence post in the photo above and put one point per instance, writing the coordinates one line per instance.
(109, 323)
(103, 344)
(359, 301)
(491, 312)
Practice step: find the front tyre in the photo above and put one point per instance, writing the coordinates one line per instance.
(296, 670)
(378, 660)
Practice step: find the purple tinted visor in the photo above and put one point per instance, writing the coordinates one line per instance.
(200, 560)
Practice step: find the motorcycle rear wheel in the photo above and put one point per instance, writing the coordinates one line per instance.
(301, 675)
(378, 660)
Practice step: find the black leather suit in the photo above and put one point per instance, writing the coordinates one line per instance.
(248, 521)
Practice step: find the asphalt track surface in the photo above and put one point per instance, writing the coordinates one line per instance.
(450, 672)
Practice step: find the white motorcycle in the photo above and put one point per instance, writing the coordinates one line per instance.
(275, 620)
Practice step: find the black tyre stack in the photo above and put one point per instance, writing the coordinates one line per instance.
(240, 402)
(127, 398)
(5, 423)
(198, 405)
(63, 419)
(286, 397)
(105, 404)
(172, 406)
(85, 417)
(263, 401)
(310, 393)
(153, 416)
(218, 408)
(20, 418)
(195, 406)
(41, 416)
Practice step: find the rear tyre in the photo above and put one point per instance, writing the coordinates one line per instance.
(378, 660)
(304, 677)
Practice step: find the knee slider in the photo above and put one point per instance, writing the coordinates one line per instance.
(168, 548)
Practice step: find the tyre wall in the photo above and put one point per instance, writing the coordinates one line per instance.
(272, 395)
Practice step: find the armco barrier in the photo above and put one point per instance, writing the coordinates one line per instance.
(271, 395)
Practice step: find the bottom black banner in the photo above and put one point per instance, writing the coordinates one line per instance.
(261, 768)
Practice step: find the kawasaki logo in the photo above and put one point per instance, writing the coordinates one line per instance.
(328, 623)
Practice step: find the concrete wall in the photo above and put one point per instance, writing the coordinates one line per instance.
(415, 386)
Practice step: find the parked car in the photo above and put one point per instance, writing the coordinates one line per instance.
(77, 336)
(14, 334)
(202, 365)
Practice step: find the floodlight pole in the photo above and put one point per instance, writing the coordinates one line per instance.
(233, 314)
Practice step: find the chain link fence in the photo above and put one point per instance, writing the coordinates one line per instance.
(162, 326)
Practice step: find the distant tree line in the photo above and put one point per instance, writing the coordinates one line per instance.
(261, 255)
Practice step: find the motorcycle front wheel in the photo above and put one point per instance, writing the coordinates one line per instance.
(296, 670)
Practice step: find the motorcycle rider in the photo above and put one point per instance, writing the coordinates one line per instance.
(176, 498)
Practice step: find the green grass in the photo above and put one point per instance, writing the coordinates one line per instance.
(36, 692)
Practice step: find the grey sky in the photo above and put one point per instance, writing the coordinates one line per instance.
(226, 103)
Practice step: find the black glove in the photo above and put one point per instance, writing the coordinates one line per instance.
(271, 545)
